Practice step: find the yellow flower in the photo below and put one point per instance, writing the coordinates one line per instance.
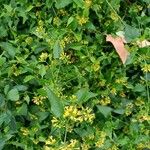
(82, 20)
(66, 40)
(146, 68)
(128, 109)
(65, 58)
(96, 67)
(102, 83)
(40, 23)
(139, 101)
(100, 142)
(35, 141)
(56, 21)
(85, 146)
(50, 141)
(113, 91)
(105, 101)
(56, 122)
(71, 146)
(62, 44)
(114, 147)
(88, 3)
(101, 139)
(122, 94)
(24, 131)
(73, 98)
(142, 146)
(88, 115)
(46, 147)
(71, 111)
(114, 16)
(79, 114)
(38, 99)
(29, 40)
(62, 12)
(40, 29)
(43, 57)
(122, 80)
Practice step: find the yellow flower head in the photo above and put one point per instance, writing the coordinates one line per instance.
(50, 141)
(105, 101)
(43, 57)
(88, 3)
(146, 68)
(82, 20)
(38, 99)
(79, 114)
(24, 131)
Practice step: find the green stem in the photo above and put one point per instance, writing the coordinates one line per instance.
(115, 12)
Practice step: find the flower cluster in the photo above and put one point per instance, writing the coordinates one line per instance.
(105, 101)
(79, 114)
(38, 100)
(43, 57)
(82, 20)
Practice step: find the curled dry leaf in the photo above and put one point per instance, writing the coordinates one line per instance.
(118, 44)
(143, 43)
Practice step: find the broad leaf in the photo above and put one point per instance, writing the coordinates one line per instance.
(84, 95)
(139, 88)
(28, 78)
(22, 110)
(56, 104)
(79, 3)
(105, 110)
(131, 33)
(13, 95)
(57, 49)
(62, 3)
(9, 48)
(21, 87)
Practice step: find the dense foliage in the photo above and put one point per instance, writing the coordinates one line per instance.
(62, 86)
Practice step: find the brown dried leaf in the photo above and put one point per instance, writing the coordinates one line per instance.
(118, 44)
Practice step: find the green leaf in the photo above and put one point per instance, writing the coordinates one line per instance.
(2, 60)
(84, 95)
(105, 110)
(9, 48)
(62, 3)
(21, 87)
(2, 143)
(79, 3)
(22, 110)
(3, 140)
(131, 33)
(28, 78)
(3, 118)
(57, 49)
(119, 111)
(147, 1)
(139, 88)
(42, 70)
(123, 141)
(13, 95)
(8, 8)
(42, 115)
(6, 89)
(29, 8)
(2, 101)
(70, 20)
(56, 104)
(3, 31)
